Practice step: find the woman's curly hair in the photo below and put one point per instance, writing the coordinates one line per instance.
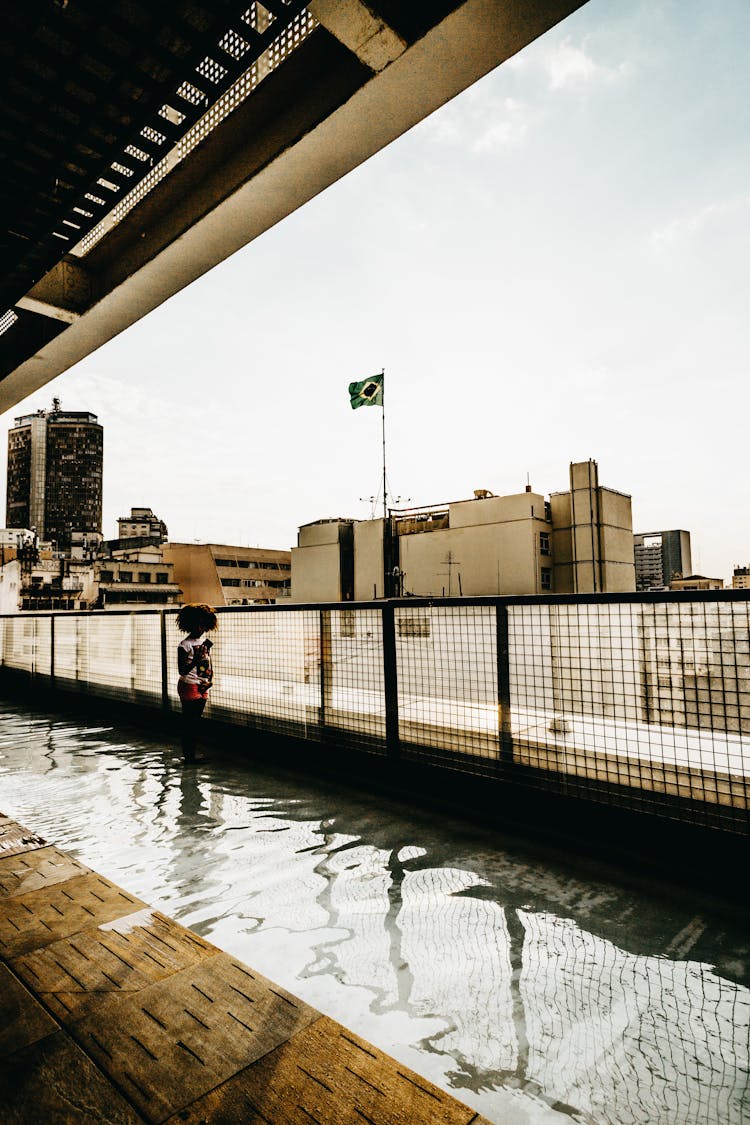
(197, 617)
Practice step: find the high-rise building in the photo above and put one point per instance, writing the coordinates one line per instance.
(660, 557)
(55, 464)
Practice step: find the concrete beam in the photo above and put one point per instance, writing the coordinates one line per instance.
(65, 293)
(366, 35)
(271, 156)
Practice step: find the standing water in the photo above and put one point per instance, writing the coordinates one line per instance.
(531, 987)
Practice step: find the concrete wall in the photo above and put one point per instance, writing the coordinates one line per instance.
(616, 538)
(368, 560)
(497, 509)
(592, 537)
(314, 534)
(499, 558)
(562, 543)
(10, 586)
(194, 572)
(317, 561)
(316, 573)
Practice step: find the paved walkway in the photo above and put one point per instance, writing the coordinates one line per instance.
(112, 1012)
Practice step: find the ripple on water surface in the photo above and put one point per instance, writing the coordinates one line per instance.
(534, 993)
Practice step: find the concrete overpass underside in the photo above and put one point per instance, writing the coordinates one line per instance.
(142, 143)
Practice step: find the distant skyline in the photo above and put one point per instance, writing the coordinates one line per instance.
(550, 268)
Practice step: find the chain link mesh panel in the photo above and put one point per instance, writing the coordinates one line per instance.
(447, 679)
(266, 670)
(352, 681)
(648, 698)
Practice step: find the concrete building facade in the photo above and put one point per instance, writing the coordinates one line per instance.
(741, 578)
(48, 580)
(10, 585)
(141, 524)
(696, 582)
(322, 563)
(578, 541)
(592, 537)
(221, 574)
(660, 557)
(55, 463)
(140, 576)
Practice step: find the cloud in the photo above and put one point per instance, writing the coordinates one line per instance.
(685, 227)
(481, 122)
(486, 119)
(565, 64)
(509, 128)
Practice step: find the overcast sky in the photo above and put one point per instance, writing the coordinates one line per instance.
(555, 266)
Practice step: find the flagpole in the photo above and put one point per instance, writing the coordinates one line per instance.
(385, 506)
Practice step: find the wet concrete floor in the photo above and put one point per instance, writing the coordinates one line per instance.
(534, 987)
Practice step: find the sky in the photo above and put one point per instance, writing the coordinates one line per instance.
(552, 267)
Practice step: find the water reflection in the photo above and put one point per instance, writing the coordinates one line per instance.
(535, 991)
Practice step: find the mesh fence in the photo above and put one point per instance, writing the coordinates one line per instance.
(633, 702)
(446, 659)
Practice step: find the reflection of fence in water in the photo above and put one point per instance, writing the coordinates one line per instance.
(532, 999)
(630, 1038)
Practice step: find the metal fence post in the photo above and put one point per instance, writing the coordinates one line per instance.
(164, 669)
(503, 686)
(326, 666)
(52, 650)
(390, 682)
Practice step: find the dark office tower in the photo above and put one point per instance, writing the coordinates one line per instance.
(55, 474)
(661, 556)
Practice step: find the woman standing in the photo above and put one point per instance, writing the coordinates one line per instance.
(196, 670)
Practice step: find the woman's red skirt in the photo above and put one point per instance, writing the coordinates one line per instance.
(190, 693)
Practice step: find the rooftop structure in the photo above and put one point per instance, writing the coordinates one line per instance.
(696, 582)
(140, 524)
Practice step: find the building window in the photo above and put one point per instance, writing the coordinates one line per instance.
(414, 625)
(107, 576)
(230, 582)
(126, 576)
(162, 578)
(544, 543)
(546, 578)
(144, 576)
(347, 623)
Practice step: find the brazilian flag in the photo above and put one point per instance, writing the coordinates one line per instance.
(367, 393)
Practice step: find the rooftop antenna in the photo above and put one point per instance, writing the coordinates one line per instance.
(450, 560)
(372, 501)
(55, 405)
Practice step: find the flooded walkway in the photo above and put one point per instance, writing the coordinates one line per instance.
(101, 997)
(534, 989)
